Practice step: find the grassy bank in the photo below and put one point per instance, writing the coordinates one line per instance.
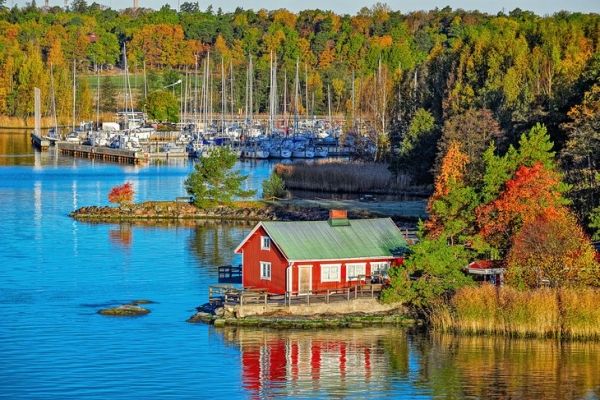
(570, 313)
(344, 177)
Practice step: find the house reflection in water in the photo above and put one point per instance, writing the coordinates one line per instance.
(298, 363)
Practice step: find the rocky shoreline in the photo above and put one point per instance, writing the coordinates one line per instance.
(171, 210)
(327, 321)
(220, 316)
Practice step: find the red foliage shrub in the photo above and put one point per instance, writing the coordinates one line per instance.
(122, 194)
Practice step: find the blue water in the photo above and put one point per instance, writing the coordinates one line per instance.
(55, 273)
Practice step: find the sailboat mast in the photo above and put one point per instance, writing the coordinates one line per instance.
(97, 97)
(196, 95)
(329, 105)
(53, 101)
(223, 91)
(306, 88)
(270, 127)
(145, 84)
(296, 94)
(251, 102)
(353, 101)
(185, 98)
(74, 95)
(231, 88)
(285, 118)
(210, 92)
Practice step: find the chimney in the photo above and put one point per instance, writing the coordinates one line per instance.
(338, 218)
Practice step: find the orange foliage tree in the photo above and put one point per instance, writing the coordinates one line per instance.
(122, 194)
(552, 248)
(533, 191)
(452, 202)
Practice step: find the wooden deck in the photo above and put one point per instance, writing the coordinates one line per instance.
(229, 295)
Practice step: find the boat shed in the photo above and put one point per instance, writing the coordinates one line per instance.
(304, 257)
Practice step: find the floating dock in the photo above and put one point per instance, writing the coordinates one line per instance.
(102, 153)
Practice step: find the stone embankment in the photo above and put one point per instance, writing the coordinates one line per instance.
(170, 210)
(304, 318)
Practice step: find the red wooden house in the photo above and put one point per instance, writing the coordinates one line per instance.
(308, 256)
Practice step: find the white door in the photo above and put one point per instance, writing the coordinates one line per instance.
(304, 279)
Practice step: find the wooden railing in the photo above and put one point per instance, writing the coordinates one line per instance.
(224, 294)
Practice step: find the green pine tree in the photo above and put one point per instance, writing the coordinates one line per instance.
(213, 181)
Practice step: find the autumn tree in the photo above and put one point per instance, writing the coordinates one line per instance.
(581, 155)
(451, 207)
(535, 146)
(533, 191)
(122, 194)
(474, 130)
(551, 247)
(85, 101)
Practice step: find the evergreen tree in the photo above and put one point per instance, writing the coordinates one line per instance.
(108, 95)
(214, 182)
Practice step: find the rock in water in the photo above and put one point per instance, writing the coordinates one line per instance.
(141, 301)
(125, 310)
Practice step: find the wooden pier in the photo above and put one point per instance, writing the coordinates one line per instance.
(102, 153)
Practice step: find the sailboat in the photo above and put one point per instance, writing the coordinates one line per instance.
(53, 133)
(73, 136)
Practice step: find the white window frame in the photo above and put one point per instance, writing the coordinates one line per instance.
(262, 243)
(376, 266)
(263, 275)
(354, 276)
(327, 276)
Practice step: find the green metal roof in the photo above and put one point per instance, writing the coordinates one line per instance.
(319, 240)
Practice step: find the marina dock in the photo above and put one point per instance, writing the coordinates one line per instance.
(102, 153)
(39, 142)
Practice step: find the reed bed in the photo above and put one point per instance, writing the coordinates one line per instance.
(568, 313)
(342, 177)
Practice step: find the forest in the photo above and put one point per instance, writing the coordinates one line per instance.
(416, 81)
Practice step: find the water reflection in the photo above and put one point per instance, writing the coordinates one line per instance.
(212, 242)
(319, 363)
(121, 235)
(379, 361)
(500, 368)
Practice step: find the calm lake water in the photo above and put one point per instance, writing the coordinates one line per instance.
(55, 274)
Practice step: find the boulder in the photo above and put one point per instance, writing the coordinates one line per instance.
(200, 316)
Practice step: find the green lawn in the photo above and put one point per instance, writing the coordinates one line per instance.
(136, 80)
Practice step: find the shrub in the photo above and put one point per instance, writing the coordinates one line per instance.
(274, 187)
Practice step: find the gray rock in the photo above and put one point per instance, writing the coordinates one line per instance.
(125, 310)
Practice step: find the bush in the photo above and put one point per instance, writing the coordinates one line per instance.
(274, 187)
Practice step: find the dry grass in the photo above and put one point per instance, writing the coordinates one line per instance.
(342, 177)
(570, 313)
(581, 313)
(47, 122)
